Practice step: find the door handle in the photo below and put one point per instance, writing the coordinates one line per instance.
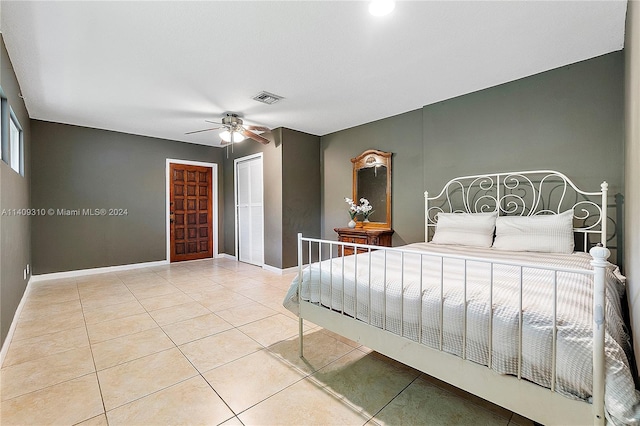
(171, 217)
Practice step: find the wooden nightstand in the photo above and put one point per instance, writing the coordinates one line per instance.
(370, 236)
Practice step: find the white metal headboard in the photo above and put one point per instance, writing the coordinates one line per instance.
(522, 193)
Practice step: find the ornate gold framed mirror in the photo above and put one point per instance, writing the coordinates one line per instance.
(372, 180)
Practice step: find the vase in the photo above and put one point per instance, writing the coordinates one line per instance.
(352, 223)
(366, 219)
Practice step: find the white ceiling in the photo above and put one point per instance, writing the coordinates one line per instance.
(161, 68)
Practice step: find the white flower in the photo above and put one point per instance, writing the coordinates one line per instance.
(354, 210)
(365, 207)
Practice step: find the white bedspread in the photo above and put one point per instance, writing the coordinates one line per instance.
(364, 295)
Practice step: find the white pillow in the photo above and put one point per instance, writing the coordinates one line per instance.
(551, 233)
(467, 229)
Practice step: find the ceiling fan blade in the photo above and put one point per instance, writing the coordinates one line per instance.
(258, 128)
(203, 130)
(214, 122)
(255, 137)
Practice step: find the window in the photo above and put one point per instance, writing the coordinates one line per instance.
(4, 143)
(11, 137)
(16, 146)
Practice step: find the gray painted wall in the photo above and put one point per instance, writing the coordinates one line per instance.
(300, 191)
(632, 169)
(291, 193)
(401, 135)
(14, 194)
(78, 167)
(84, 168)
(569, 119)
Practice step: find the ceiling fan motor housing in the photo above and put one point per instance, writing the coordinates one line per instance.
(233, 124)
(232, 120)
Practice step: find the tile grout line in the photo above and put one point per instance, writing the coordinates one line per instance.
(236, 415)
(160, 327)
(104, 408)
(94, 373)
(236, 327)
(183, 354)
(75, 283)
(392, 399)
(201, 374)
(305, 376)
(151, 393)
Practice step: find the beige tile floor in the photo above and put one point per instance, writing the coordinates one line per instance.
(204, 342)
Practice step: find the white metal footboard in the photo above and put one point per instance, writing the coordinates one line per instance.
(541, 404)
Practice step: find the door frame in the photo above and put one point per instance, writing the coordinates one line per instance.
(214, 201)
(235, 200)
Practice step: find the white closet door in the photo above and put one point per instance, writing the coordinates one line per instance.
(249, 210)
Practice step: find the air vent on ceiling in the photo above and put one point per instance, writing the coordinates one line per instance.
(267, 98)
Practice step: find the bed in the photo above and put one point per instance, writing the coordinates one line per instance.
(508, 298)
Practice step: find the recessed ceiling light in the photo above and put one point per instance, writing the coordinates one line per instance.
(381, 7)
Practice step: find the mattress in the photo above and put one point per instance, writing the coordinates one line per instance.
(410, 292)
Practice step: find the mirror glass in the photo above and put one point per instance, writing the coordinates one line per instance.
(372, 180)
(372, 185)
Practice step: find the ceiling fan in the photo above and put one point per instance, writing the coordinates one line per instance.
(235, 131)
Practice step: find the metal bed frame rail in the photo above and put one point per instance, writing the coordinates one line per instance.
(547, 406)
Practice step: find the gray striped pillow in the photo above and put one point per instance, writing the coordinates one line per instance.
(542, 233)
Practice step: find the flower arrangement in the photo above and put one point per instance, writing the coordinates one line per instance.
(365, 208)
(354, 209)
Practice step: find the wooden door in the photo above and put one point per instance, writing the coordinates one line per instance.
(191, 208)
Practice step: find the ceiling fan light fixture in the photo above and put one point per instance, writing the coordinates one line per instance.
(226, 136)
(381, 7)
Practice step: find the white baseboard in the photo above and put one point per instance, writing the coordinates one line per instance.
(278, 270)
(14, 321)
(226, 256)
(102, 270)
(92, 271)
(264, 266)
